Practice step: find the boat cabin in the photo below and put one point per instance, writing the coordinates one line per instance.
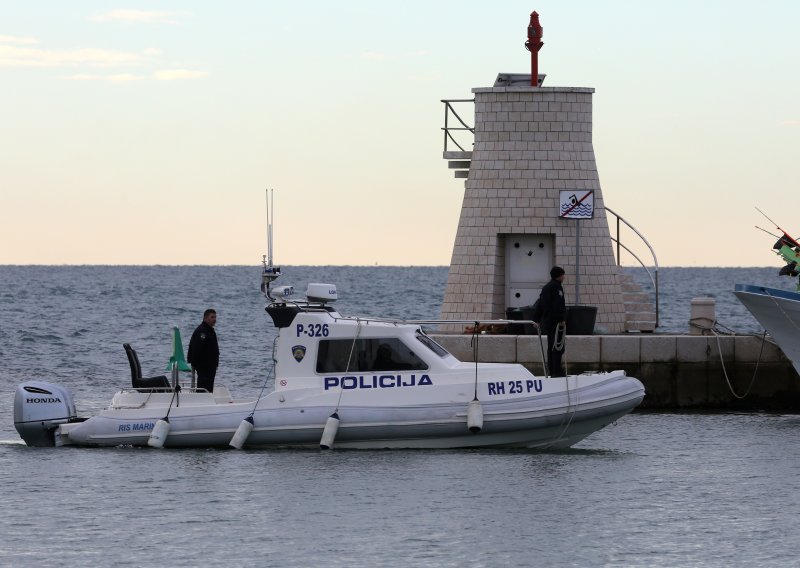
(316, 341)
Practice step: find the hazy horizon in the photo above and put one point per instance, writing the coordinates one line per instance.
(148, 136)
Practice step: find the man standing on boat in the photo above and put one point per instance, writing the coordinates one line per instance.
(203, 353)
(554, 312)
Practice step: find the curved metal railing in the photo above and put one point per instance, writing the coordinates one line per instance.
(448, 130)
(653, 275)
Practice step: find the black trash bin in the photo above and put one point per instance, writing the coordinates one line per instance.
(514, 328)
(580, 320)
(527, 314)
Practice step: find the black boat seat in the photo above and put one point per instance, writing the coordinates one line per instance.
(137, 380)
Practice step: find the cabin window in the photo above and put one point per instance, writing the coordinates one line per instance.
(366, 356)
(431, 344)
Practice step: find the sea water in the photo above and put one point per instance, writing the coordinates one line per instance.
(653, 489)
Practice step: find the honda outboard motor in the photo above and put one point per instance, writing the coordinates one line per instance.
(39, 408)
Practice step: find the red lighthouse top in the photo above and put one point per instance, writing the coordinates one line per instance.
(533, 44)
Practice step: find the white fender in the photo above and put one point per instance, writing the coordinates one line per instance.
(242, 432)
(329, 432)
(475, 416)
(159, 434)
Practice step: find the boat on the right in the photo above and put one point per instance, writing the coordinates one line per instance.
(778, 311)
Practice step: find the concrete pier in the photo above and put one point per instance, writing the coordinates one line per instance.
(678, 371)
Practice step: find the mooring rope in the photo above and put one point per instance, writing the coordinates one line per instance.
(559, 342)
(755, 372)
(349, 360)
(270, 373)
(563, 427)
(560, 337)
(715, 329)
(541, 348)
(475, 353)
(561, 345)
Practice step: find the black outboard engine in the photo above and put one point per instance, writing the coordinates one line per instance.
(39, 408)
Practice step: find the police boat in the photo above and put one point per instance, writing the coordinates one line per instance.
(348, 382)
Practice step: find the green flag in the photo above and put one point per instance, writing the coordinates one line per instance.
(177, 352)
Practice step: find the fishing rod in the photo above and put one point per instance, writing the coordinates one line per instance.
(769, 233)
(786, 235)
(767, 217)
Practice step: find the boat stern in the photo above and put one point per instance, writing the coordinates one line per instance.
(39, 409)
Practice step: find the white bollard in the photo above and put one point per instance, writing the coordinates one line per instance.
(702, 316)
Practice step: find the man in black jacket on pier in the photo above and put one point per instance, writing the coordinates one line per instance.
(554, 312)
(204, 351)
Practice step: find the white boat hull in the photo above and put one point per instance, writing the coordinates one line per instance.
(778, 311)
(547, 420)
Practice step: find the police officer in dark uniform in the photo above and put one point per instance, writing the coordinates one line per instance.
(554, 312)
(204, 351)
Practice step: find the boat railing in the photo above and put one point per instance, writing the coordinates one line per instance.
(161, 390)
(149, 392)
(652, 275)
(337, 317)
(457, 135)
(394, 321)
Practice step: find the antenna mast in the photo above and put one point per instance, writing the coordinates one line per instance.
(270, 195)
(270, 272)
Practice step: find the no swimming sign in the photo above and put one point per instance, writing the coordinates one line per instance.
(576, 204)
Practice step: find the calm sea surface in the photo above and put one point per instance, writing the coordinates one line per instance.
(654, 489)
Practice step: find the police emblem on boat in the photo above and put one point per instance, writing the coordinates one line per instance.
(299, 351)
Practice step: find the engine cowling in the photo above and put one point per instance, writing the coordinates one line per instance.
(39, 408)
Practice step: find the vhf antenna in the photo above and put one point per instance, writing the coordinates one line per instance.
(270, 272)
(270, 195)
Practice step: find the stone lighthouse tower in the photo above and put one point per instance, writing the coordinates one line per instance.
(531, 164)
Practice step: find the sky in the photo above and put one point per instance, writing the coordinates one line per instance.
(148, 132)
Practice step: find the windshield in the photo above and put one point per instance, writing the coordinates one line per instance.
(431, 344)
